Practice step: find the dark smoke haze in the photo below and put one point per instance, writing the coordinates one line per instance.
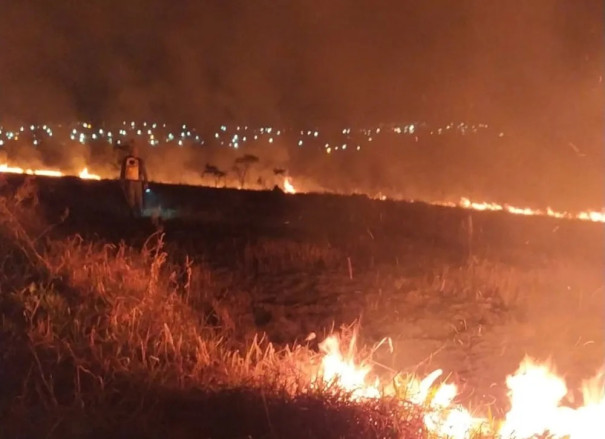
(532, 68)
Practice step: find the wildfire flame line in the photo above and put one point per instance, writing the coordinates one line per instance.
(465, 203)
(535, 392)
(84, 174)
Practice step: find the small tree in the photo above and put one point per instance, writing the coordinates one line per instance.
(214, 172)
(242, 166)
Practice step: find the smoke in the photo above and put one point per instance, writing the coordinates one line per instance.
(532, 69)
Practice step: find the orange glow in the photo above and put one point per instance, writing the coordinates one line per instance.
(535, 395)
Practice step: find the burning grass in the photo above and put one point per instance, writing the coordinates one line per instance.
(107, 339)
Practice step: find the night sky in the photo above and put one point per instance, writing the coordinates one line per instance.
(530, 66)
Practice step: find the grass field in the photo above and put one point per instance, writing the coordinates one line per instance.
(193, 323)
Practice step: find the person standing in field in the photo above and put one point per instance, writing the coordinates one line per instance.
(133, 177)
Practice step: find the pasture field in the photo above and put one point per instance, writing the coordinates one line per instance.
(199, 314)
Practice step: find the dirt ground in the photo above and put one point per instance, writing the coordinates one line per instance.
(472, 305)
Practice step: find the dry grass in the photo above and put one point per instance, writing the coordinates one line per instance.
(112, 340)
(281, 255)
(101, 339)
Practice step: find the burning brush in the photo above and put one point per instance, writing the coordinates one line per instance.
(535, 394)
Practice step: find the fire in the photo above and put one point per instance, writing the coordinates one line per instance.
(84, 174)
(288, 187)
(88, 176)
(4, 168)
(536, 392)
(341, 370)
(465, 203)
(535, 395)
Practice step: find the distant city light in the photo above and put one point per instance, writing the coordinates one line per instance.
(155, 134)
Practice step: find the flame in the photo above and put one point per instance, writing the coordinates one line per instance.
(340, 369)
(465, 203)
(88, 176)
(288, 187)
(84, 174)
(535, 394)
(4, 168)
